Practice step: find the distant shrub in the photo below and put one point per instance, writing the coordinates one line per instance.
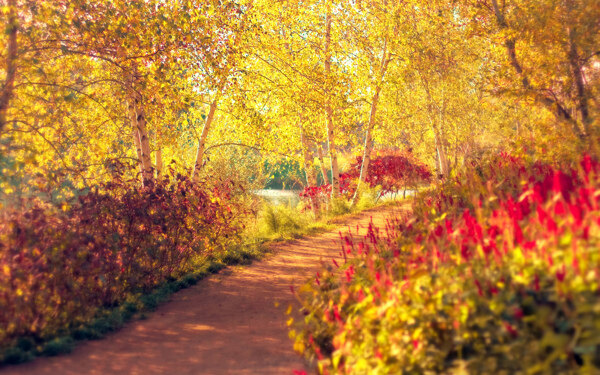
(339, 206)
(368, 197)
(279, 220)
(390, 173)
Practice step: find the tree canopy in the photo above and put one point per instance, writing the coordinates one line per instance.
(145, 83)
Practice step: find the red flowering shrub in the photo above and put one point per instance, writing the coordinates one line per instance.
(59, 264)
(497, 271)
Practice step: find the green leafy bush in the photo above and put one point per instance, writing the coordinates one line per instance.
(368, 197)
(281, 220)
(339, 206)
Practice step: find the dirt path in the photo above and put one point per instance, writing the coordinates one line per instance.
(226, 324)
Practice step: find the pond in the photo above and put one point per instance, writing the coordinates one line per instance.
(289, 198)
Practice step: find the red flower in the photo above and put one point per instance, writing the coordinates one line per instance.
(415, 344)
(518, 313)
(448, 224)
(513, 332)
(561, 273)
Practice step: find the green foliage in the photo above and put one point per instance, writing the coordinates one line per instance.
(15, 355)
(280, 220)
(286, 175)
(339, 206)
(240, 255)
(277, 222)
(368, 197)
(61, 345)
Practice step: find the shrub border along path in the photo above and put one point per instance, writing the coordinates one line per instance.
(232, 322)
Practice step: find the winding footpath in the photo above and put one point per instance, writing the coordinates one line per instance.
(233, 322)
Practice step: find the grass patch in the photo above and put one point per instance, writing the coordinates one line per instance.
(280, 222)
(59, 345)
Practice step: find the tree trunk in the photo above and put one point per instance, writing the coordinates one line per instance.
(322, 161)
(158, 161)
(202, 141)
(138, 147)
(443, 145)
(441, 158)
(441, 153)
(366, 160)
(438, 167)
(581, 93)
(311, 176)
(213, 106)
(11, 63)
(138, 123)
(335, 172)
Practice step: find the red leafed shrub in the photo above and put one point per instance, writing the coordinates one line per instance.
(59, 264)
(320, 192)
(392, 172)
(496, 271)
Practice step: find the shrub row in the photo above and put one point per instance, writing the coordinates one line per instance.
(496, 271)
(58, 265)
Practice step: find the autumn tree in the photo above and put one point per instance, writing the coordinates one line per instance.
(373, 37)
(551, 54)
(112, 75)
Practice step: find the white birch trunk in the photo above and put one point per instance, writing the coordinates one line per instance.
(335, 183)
(202, 141)
(6, 92)
(321, 157)
(138, 148)
(366, 160)
(138, 124)
(311, 177)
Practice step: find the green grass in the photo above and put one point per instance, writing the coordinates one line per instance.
(280, 222)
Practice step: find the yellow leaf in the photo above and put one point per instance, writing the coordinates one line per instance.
(299, 347)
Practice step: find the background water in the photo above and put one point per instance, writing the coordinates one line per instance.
(291, 199)
(288, 198)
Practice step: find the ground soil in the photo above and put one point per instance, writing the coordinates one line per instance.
(233, 322)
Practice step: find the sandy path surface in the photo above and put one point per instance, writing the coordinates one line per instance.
(226, 324)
